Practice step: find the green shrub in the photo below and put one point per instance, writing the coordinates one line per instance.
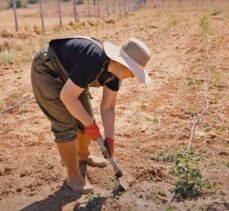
(164, 155)
(19, 3)
(172, 20)
(216, 11)
(205, 27)
(79, 1)
(6, 57)
(190, 182)
(33, 1)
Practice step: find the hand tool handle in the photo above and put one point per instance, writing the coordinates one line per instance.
(118, 172)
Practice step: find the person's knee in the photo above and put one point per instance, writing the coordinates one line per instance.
(66, 136)
(82, 137)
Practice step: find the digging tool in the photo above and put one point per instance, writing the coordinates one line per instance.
(118, 173)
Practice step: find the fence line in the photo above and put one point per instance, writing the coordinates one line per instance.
(106, 8)
(183, 3)
(42, 16)
(15, 15)
(59, 12)
(75, 12)
(99, 8)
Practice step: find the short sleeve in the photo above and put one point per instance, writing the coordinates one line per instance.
(114, 84)
(84, 72)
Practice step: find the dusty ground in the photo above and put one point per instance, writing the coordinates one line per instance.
(152, 121)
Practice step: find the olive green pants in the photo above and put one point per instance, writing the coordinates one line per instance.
(48, 77)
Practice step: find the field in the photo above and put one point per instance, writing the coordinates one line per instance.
(190, 72)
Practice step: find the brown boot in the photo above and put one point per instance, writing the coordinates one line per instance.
(70, 159)
(82, 143)
(82, 187)
(95, 161)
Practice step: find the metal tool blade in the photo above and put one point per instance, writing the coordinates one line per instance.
(118, 173)
(123, 183)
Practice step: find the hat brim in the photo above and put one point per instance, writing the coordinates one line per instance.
(113, 52)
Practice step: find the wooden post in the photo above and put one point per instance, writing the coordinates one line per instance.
(59, 12)
(107, 7)
(134, 5)
(212, 2)
(128, 5)
(114, 6)
(15, 15)
(98, 4)
(42, 16)
(131, 5)
(119, 3)
(88, 9)
(77, 19)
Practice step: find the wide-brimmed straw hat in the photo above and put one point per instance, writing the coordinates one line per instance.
(133, 54)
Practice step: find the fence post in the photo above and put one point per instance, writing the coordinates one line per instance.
(134, 5)
(114, 6)
(98, 8)
(42, 17)
(125, 7)
(15, 15)
(88, 9)
(212, 2)
(131, 5)
(59, 12)
(107, 6)
(77, 19)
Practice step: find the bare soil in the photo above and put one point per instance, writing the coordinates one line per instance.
(151, 122)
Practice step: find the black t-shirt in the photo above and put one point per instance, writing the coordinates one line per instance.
(85, 61)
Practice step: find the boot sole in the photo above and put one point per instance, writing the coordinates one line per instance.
(79, 191)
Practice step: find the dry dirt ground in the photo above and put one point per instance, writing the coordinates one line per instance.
(151, 123)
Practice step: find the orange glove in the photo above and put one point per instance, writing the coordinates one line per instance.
(92, 131)
(109, 144)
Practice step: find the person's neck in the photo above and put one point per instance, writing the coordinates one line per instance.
(112, 67)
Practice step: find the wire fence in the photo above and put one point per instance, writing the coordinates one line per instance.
(58, 13)
(186, 3)
(73, 9)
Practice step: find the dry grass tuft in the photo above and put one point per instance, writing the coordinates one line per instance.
(36, 29)
(95, 22)
(10, 44)
(24, 34)
(6, 33)
(71, 23)
(4, 44)
(110, 20)
(6, 57)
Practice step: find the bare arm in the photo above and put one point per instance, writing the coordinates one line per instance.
(69, 96)
(107, 110)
